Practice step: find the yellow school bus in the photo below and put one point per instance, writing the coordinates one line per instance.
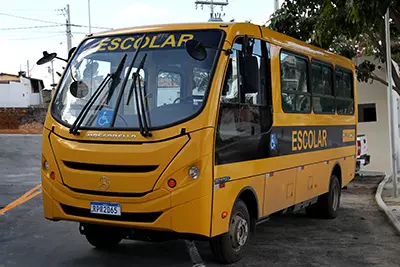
(196, 131)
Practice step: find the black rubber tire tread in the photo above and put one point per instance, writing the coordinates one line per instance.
(102, 237)
(323, 207)
(221, 246)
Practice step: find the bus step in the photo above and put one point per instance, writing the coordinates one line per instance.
(262, 220)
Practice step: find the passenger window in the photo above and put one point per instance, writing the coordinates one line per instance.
(322, 85)
(230, 92)
(344, 92)
(294, 84)
(169, 88)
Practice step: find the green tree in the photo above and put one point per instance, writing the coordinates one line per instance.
(346, 27)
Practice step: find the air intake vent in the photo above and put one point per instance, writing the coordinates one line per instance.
(125, 216)
(110, 168)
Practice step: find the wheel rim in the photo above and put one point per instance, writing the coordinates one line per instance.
(335, 196)
(238, 231)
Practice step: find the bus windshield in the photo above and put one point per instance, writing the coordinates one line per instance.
(174, 85)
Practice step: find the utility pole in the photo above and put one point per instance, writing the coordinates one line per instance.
(68, 31)
(390, 102)
(90, 24)
(276, 5)
(27, 66)
(214, 16)
(52, 71)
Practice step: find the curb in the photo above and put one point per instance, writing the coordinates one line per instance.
(382, 205)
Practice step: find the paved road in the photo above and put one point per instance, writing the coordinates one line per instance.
(360, 236)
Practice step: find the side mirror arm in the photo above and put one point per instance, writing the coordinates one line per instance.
(63, 59)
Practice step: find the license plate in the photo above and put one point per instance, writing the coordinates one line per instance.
(105, 208)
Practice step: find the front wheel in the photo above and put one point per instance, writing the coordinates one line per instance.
(102, 237)
(229, 247)
(328, 204)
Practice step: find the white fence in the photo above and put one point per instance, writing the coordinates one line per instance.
(14, 94)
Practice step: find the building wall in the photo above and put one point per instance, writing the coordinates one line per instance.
(35, 99)
(18, 94)
(378, 133)
(8, 77)
(14, 94)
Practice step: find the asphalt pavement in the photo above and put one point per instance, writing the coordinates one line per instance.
(360, 236)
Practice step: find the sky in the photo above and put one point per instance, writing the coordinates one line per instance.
(22, 45)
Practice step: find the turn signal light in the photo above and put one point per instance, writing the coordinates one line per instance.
(171, 183)
(52, 176)
(224, 214)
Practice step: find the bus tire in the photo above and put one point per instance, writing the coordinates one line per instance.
(229, 247)
(327, 205)
(102, 237)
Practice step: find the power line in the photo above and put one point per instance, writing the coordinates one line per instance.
(32, 38)
(51, 22)
(30, 32)
(31, 27)
(32, 19)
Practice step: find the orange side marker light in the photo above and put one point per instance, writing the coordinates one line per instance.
(224, 214)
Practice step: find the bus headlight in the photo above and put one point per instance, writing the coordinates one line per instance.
(194, 172)
(46, 165)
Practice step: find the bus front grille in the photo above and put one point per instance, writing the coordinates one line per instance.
(109, 168)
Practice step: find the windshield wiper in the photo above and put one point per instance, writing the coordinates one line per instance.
(143, 128)
(139, 100)
(78, 121)
(116, 78)
(115, 81)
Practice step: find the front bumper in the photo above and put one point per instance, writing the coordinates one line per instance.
(363, 160)
(152, 212)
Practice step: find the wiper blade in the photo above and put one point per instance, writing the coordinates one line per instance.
(142, 118)
(121, 93)
(116, 78)
(81, 116)
(136, 75)
(115, 81)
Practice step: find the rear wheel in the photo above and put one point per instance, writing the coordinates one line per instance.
(229, 247)
(328, 204)
(102, 237)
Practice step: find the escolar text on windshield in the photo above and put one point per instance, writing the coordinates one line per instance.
(123, 43)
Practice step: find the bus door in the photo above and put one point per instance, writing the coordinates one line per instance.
(244, 123)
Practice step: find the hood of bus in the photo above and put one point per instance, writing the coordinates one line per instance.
(114, 167)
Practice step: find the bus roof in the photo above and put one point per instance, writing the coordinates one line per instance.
(272, 36)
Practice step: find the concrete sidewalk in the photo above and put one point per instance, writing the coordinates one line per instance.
(390, 205)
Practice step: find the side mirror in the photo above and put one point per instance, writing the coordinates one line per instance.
(46, 58)
(78, 89)
(252, 77)
(196, 50)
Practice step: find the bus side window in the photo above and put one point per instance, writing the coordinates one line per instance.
(344, 91)
(229, 106)
(296, 96)
(322, 88)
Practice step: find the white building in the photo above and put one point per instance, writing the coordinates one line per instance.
(373, 110)
(19, 91)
